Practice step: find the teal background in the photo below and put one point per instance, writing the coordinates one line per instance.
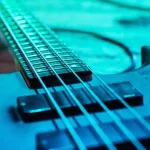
(101, 17)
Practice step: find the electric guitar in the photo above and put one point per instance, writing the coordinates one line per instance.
(55, 101)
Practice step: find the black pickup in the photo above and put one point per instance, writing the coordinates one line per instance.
(62, 140)
(35, 107)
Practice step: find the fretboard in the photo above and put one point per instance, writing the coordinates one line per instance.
(23, 31)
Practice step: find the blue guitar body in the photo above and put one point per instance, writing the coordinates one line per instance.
(55, 101)
(17, 135)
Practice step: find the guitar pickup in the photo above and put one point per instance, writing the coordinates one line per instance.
(35, 107)
(62, 139)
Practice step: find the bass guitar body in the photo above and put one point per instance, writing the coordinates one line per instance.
(15, 134)
(51, 100)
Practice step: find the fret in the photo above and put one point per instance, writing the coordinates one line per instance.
(25, 26)
(22, 22)
(68, 61)
(14, 27)
(65, 55)
(22, 39)
(29, 30)
(55, 67)
(47, 53)
(33, 56)
(55, 44)
(43, 73)
(37, 24)
(49, 56)
(62, 52)
(27, 47)
(40, 28)
(18, 32)
(52, 40)
(30, 52)
(36, 62)
(34, 38)
(16, 19)
(36, 68)
(31, 34)
(25, 43)
(41, 46)
(44, 50)
(37, 42)
(48, 36)
(33, 63)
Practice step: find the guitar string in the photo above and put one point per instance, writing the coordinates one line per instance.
(107, 39)
(145, 123)
(98, 130)
(136, 143)
(83, 83)
(132, 110)
(79, 143)
(34, 28)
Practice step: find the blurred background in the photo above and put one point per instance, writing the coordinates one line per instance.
(106, 34)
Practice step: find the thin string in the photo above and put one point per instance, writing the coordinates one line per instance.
(132, 138)
(95, 126)
(103, 38)
(50, 99)
(132, 110)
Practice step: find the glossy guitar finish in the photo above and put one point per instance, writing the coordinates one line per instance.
(18, 135)
(15, 134)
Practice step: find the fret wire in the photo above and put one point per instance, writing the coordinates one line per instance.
(133, 111)
(47, 56)
(39, 46)
(33, 56)
(143, 121)
(96, 127)
(55, 65)
(30, 47)
(44, 49)
(27, 43)
(22, 39)
(129, 135)
(32, 30)
(73, 63)
(62, 52)
(71, 130)
(56, 68)
(63, 45)
(34, 37)
(37, 63)
(42, 62)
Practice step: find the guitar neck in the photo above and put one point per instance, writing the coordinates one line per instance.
(24, 32)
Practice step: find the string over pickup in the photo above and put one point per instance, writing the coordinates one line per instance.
(35, 107)
(62, 140)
